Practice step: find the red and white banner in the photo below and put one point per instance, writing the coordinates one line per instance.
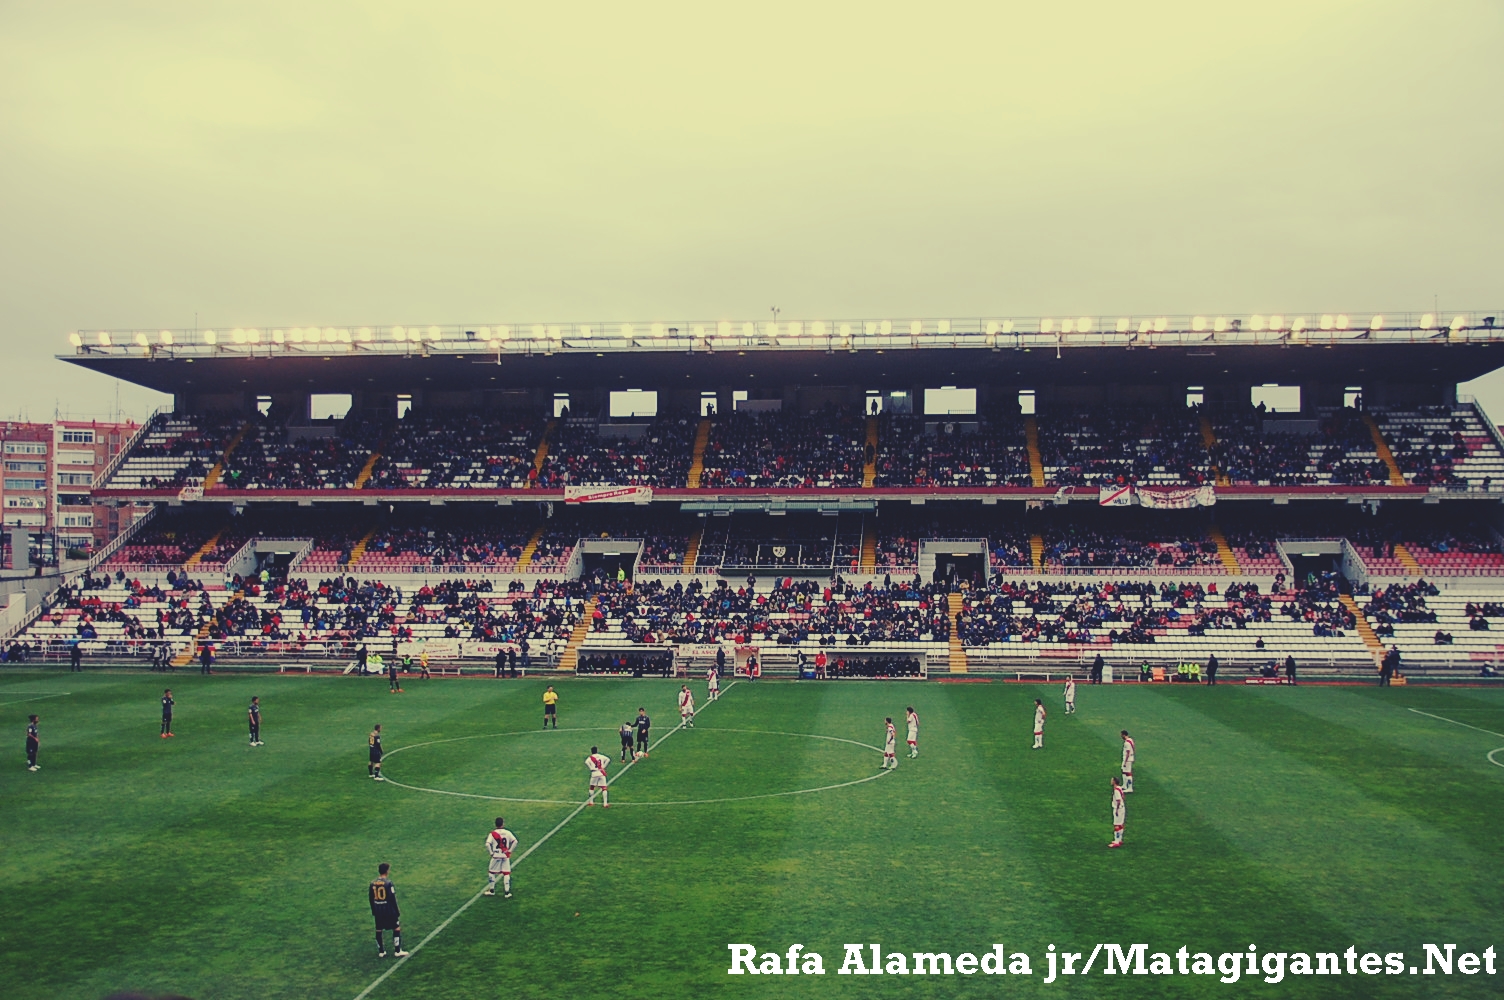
(1115, 496)
(608, 494)
(1177, 498)
(191, 493)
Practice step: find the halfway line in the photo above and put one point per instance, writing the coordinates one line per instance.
(539, 843)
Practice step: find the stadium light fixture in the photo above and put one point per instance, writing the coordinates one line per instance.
(1327, 322)
(165, 337)
(916, 328)
(1198, 323)
(211, 338)
(1067, 325)
(1123, 324)
(1219, 324)
(723, 328)
(344, 336)
(1342, 321)
(253, 335)
(1257, 322)
(770, 329)
(1083, 324)
(1046, 325)
(749, 330)
(503, 332)
(795, 328)
(1145, 326)
(1428, 321)
(817, 328)
(141, 339)
(943, 326)
(433, 333)
(585, 332)
(845, 331)
(626, 330)
(538, 331)
(1007, 326)
(885, 327)
(1298, 325)
(398, 333)
(1377, 323)
(1276, 322)
(657, 329)
(556, 333)
(1459, 323)
(278, 336)
(237, 335)
(991, 328)
(365, 335)
(1161, 324)
(75, 339)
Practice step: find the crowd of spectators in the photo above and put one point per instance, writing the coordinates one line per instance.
(649, 663)
(793, 611)
(785, 450)
(1105, 445)
(1403, 603)
(1070, 546)
(1428, 455)
(950, 451)
(201, 442)
(273, 457)
(578, 454)
(1341, 451)
(465, 450)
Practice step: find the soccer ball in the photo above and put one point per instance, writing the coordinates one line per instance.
(638, 755)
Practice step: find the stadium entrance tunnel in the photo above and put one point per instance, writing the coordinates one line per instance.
(610, 565)
(953, 567)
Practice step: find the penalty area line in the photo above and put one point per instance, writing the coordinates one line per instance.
(1490, 755)
(525, 854)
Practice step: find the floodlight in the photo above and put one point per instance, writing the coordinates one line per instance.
(1377, 323)
(723, 328)
(1046, 325)
(75, 339)
(817, 328)
(296, 334)
(943, 326)
(397, 332)
(699, 331)
(1067, 325)
(365, 335)
(1459, 323)
(885, 327)
(1257, 322)
(278, 336)
(1298, 325)
(1122, 324)
(872, 328)
(555, 333)
(1083, 324)
(503, 332)
(538, 332)
(210, 337)
(104, 339)
(237, 335)
(1007, 326)
(1342, 321)
(1145, 326)
(626, 330)
(433, 333)
(657, 329)
(165, 337)
(1427, 321)
(1219, 324)
(916, 328)
(1161, 325)
(1326, 321)
(141, 339)
(991, 327)
(344, 336)
(749, 330)
(253, 335)
(1276, 322)
(1198, 323)
(585, 332)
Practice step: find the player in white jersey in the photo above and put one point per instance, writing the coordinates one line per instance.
(713, 681)
(1128, 754)
(890, 747)
(1070, 696)
(912, 717)
(596, 764)
(1039, 715)
(501, 843)
(1119, 814)
(686, 707)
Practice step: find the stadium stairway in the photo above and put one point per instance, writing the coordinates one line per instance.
(186, 656)
(869, 548)
(1407, 559)
(1209, 438)
(364, 475)
(692, 551)
(570, 659)
(203, 550)
(541, 456)
(869, 468)
(1224, 551)
(1036, 552)
(1396, 477)
(212, 479)
(360, 548)
(526, 559)
(1036, 463)
(957, 657)
(1365, 630)
(697, 466)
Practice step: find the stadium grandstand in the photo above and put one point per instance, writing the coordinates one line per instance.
(894, 498)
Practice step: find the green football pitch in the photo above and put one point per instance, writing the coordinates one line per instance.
(1308, 820)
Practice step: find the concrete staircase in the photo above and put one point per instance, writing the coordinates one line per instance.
(697, 462)
(1396, 477)
(364, 475)
(957, 658)
(1224, 551)
(541, 455)
(570, 660)
(529, 550)
(186, 656)
(203, 550)
(869, 548)
(869, 469)
(360, 548)
(212, 479)
(1036, 552)
(692, 553)
(1036, 463)
(1209, 438)
(1365, 630)
(1407, 559)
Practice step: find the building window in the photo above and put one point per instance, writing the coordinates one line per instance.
(561, 403)
(78, 520)
(25, 484)
(78, 437)
(25, 448)
(1195, 395)
(1026, 402)
(25, 466)
(75, 479)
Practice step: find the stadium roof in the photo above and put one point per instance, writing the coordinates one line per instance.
(1193, 349)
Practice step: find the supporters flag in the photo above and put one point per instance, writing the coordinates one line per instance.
(1161, 497)
(1115, 496)
(608, 494)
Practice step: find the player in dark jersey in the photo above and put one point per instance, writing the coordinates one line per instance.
(643, 725)
(393, 685)
(626, 740)
(253, 716)
(167, 704)
(33, 744)
(384, 908)
(374, 767)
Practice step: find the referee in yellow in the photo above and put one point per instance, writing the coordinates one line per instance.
(550, 708)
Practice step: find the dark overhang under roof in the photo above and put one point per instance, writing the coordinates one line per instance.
(1438, 361)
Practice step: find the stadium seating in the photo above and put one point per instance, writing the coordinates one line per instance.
(579, 454)
(1091, 446)
(274, 457)
(784, 450)
(942, 451)
(1444, 446)
(175, 451)
(459, 451)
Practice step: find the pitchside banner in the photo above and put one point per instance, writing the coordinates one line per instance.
(1162, 497)
(608, 494)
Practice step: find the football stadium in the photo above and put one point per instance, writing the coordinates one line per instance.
(1291, 605)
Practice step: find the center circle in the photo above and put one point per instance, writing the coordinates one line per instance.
(621, 769)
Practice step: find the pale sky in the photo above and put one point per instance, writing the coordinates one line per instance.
(313, 163)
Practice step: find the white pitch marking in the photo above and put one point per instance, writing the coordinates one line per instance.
(1454, 722)
(40, 697)
(537, 844)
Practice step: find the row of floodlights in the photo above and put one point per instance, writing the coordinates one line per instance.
(794, 328)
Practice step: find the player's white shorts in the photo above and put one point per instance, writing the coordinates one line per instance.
(913, 736)
(890, 747)
(1119, 818)
(501, 865)
(597, 781)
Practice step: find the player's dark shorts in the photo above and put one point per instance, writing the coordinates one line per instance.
(375, 756)
(386, 920)
(550, 709)
(32, 746)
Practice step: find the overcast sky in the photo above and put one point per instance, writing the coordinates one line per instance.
(274, 164)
